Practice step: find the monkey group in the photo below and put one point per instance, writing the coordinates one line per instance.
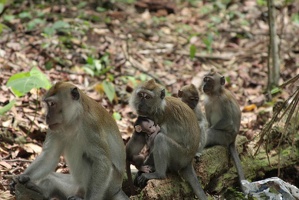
(173, 131)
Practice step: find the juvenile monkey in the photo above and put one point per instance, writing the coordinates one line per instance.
(143, 136)
(88, 137)
(179, 137)
(189, 94)
(223, 115)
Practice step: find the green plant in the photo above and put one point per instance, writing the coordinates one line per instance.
(7, 107)
(57, 26)
(208, 41)
(109, 90)
(192, 51)
(23, 82)
(97, 67)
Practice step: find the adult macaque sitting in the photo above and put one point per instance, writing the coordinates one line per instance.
(88, 137)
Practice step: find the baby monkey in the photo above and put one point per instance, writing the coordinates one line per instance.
(143, 136)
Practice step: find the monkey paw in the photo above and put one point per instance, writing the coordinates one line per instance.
(12, 185)
(74, 198)
(140, 180)
(146, 169)
(23, 179)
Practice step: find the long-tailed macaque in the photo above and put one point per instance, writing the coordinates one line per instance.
(189, 94)
(223, 115)
(143, 136)
(88, 137)
(179, 137)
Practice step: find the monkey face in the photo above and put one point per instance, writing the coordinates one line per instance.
(189, 94)
(212, 82)
(208, 85)
(148, 127)
(63, 106)
(148, 98)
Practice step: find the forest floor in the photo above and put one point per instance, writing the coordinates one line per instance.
(124, 43)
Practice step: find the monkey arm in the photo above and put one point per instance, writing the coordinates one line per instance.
(135, 145)
(46, 162)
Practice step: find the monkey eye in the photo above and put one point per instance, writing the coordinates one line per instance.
(51, 103)
(146, 96)
(207, 79)
(143, 95)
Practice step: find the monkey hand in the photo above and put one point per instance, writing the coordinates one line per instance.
(140, 180)
(146, 169)
(15, 180)
(24, 180)
(74, 198)
(12, 185)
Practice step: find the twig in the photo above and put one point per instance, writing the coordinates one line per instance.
(17, 160)
(292, 107)
(136, 65)
(212, 57)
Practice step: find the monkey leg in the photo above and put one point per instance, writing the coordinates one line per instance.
(189, 174)
(219, 137)
(237, 161)
(120, 195)
(57, 185)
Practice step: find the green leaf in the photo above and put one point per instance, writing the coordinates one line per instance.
(25, 15)
(7, 107)
(90, 60)
(60, 25)
(23, 82)
(109, 90)
(227, 79)
(88, 70)
(8, 17)
(116, 116)
(275, 90)
(42, 79)
(33, 23)
(98, 65)
(49, 31)
(192, 51)
(1, 7)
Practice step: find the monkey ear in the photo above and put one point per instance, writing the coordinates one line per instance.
(75, 94)
(138, 128)
(162, 95)
(180, 93)
(222, 80)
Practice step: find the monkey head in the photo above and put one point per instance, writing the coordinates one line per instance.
(212, 83)
(189, 94)
(148, 98)
(63, 105)
(146, 126)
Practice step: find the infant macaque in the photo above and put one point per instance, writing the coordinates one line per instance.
(143, 136)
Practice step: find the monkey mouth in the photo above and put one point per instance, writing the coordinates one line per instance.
(53, 126)
(206, 91)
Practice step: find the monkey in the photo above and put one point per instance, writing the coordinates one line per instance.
(179, 136)
(223, 115)
(88, 137)
(144, 134)
(189, 94)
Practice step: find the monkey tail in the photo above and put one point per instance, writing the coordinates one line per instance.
(130, 180)
(237, 161)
